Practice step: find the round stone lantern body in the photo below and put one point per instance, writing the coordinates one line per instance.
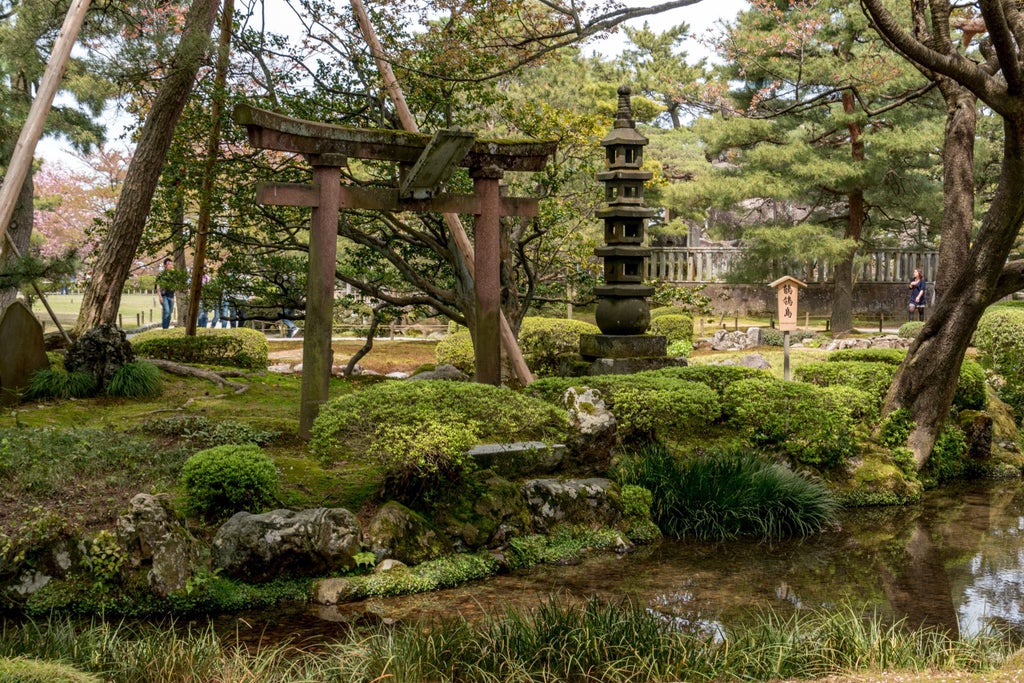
(623, 315)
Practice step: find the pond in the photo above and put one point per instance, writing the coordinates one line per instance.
(955, 561)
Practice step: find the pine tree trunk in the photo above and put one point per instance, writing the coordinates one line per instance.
(117, 250)
(842, 292)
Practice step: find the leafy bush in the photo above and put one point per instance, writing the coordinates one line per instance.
(544, 341)
(135, 380)
(810, 424)
(728, 493)
(646, 405)
(679, 348)
(1000, 337)
(420, 459)
(890, 356)
(771, 336)
(457, 349)
(349, 424)
(909, 330)
(947, 461)
(223, 480)
(673, 327)
(718, 377)
(202, 432)
(895, 428)
(873, 378)
(666, 409)
(237, 346)
(970, 387)
(51, 383)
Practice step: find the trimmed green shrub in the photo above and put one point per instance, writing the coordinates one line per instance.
(223, 480)
(457, 349)
(947, 461)
(646, 405)
(50, 383)
(202, 432)
(718, 377)
(1000, 338)
(544, 341)
(894, 429)
(873, 378)
(970, 387)
(659, 311)
(809, 424)
(771, 336)
(673, 327)
(237, 346)
(135, 380)
(666, 409)
(348, 425)
(726, 494)
(420, 459)
(890, 356)
(909, 330)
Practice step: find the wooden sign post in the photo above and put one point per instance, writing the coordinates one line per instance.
(787, 293)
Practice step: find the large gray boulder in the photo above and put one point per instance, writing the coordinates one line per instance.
(100, 352)
(155, 538)
(398, 533)
(591, 502)
(261, 547)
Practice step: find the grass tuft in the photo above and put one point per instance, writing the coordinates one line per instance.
(728, 493)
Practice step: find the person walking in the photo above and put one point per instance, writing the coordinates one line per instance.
(918, 294)
(166, 281)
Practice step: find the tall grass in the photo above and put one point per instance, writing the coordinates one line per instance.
(553, 642)
(727, 494)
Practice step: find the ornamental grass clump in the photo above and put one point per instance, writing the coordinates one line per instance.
(135, 380)
(223, 480)
(726, 494)
(52, 383)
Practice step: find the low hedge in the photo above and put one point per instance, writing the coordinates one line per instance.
(238, 346)
(810, 424)
(970, 389)
(352, 425)
(646, 405)
(874, 378)
(545, 341)
(457, 349)
(718, 377)
(674, 327)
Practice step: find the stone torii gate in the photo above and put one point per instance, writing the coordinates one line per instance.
(425, 163)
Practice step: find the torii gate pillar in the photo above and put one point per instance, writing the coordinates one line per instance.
(487, 264)
(317, 355)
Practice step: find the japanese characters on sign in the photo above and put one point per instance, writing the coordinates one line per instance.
(787, 290)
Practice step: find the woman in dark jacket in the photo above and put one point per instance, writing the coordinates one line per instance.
(918, 292)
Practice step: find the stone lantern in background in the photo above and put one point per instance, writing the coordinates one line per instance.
(623, 312)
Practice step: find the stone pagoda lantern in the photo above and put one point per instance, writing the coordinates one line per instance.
(622, 306)
(623, 312)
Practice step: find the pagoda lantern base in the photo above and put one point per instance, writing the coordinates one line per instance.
(622, 346)
(629, 366)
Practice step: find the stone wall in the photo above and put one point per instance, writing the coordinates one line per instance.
(869, 299)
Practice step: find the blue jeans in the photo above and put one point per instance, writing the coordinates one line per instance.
(167, 304)
(201, 318)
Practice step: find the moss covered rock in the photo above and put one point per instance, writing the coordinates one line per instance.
(486, 512)
(399, 533)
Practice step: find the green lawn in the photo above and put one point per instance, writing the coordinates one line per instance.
(66, 307)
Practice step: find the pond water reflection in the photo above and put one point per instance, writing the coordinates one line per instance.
(955, 561)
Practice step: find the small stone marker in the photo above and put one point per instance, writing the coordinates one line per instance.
(21, 351)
